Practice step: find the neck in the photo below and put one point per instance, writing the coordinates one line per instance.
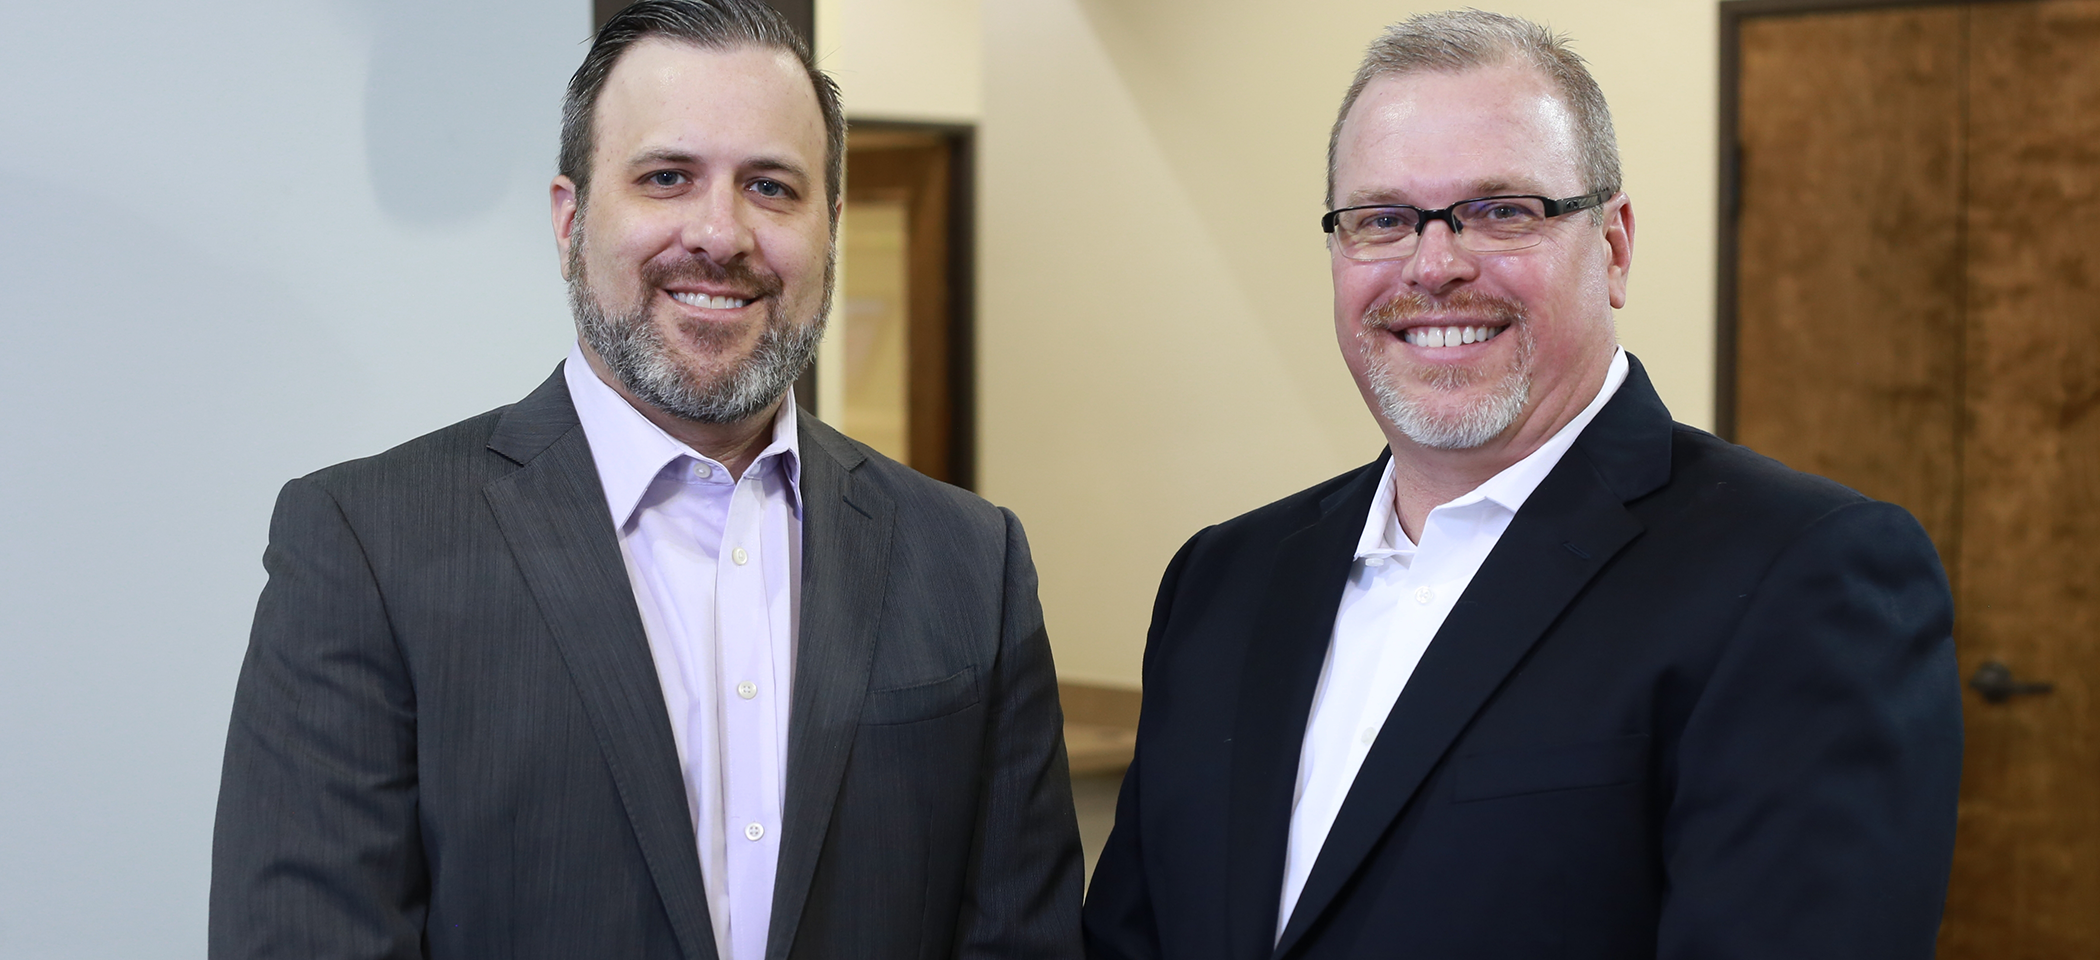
(1425, 477)
(733, 445)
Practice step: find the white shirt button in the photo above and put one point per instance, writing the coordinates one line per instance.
(754, 831)
(1374, 561)
(1422, 594)
(703, 471)
(742, 558)
(1369, 734)
(747, 689)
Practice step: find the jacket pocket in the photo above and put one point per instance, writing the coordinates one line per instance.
(921, 701)
(1567, 766)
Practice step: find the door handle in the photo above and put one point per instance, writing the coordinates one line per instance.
(1995, 681)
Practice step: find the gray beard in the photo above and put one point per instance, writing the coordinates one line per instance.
(1474, 426)
(634, 350)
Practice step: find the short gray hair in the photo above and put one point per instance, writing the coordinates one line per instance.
(1457, 40)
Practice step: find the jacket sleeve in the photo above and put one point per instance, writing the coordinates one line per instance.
(1022, 900)
(1119, 917)
(1811, 811)
(316, 852)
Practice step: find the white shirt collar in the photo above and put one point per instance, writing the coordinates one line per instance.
(1508, 489)
(630, 451)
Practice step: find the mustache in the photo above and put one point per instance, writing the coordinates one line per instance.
(750, 284)
(1411, 308)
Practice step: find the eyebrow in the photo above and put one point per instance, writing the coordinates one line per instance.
(1478, 188)
(682, 158)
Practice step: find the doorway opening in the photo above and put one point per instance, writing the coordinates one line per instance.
(897, 372)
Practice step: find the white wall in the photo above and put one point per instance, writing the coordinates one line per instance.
(241, 240)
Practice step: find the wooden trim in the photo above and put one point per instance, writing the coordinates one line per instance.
(1100, 727)
(956, 376)
(1728, 197)
(1095, 703)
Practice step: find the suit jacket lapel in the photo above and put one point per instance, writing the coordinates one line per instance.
(552, 511)
(846, 526)
(1277, 682)
(1567, 531)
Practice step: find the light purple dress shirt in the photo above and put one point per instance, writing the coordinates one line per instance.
(716, 566)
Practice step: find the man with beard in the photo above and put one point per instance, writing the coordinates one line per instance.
(1554, 676)
(650, 663)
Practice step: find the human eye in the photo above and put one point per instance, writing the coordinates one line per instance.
(1502, 215)
(1381, 223)
(772, 189)
(665, 179)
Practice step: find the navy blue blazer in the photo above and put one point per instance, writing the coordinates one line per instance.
(1694, 704)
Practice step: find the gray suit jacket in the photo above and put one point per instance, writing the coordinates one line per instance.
(448, 739)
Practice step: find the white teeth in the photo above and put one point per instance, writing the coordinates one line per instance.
(1449, 336)
(703, 300)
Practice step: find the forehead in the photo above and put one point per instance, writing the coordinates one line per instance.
(669, 96)
(1434, 137)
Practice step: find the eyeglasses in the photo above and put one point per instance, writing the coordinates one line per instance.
(1482, 225)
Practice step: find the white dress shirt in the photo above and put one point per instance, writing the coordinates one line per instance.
(1398, 595)
(716, 568)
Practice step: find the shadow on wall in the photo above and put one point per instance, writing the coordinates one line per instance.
(442, 143)
(154, 399)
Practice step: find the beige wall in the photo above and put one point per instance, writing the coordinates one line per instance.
(1155, 348)
(905, 59)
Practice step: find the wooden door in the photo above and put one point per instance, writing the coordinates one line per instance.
(1917, 315)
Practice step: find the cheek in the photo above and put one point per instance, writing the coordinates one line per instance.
(799, 254)
(1356, 287)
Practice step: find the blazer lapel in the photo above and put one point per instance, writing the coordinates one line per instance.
(1567, 531)
(1280, 674)
(846, 527)
(552, 511)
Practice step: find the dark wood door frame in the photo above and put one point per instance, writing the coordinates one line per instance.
(960, 375)
(1729, 195)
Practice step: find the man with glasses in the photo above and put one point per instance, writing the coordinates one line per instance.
(1555, 676)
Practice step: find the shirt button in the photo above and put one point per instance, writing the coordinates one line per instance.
(1374, 561)
(703, 471)
(747, 689)
(1369, 734)
(754, 832)
(1422, 594)
(741, 557)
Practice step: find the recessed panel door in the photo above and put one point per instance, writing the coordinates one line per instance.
(1918, 316)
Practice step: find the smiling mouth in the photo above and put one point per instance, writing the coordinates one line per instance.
(1449, 336)
(704, 300)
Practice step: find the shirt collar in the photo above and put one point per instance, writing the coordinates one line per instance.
(1507, 489)
(630, 451)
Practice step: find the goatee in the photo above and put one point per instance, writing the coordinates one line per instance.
(1416, 413)
(634, 349)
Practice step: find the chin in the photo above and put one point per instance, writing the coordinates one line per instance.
(1442, 420)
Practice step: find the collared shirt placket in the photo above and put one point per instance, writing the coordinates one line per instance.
(749, 691)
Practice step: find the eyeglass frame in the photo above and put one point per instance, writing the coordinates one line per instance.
(1554, 209)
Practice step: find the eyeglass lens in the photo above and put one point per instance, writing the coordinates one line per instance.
(1483, 226)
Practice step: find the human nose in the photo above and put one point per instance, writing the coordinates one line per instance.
(716, 226)
(1438, 263)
